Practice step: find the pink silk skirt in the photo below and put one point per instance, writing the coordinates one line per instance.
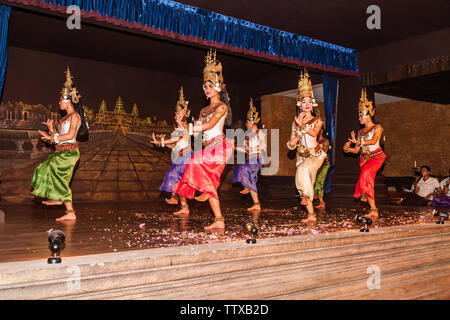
(369, 165)
(204, 169)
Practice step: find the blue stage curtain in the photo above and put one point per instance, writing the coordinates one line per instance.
(329, 94)
(4, 19)
(227, 32)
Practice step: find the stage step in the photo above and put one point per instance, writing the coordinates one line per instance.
(413, 260)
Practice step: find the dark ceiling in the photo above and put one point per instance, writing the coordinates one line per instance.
(338, 21)
(49, 33)
(432, 88)
(341, 22)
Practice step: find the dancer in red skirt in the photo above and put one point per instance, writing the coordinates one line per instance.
(371, 155)
(203, 171)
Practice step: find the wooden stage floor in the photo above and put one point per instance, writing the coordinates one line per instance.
(119, 227)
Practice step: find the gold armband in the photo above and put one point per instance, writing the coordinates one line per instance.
(73, 127)
(219, 114)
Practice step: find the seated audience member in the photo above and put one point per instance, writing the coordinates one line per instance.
(424, 189)
(443, 201)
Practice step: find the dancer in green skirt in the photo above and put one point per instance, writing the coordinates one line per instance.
(52, 177)
(322, 173)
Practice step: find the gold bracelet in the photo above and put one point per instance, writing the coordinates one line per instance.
(52, 140)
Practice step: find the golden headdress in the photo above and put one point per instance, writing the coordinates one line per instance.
(182, 104)
(213, 71)
(69, 92)
(252, 115)
(365, 107)
(304, 87)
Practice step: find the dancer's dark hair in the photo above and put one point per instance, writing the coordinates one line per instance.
(83, 132)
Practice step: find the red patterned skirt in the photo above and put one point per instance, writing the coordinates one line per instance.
(369, 164)
(203, 171)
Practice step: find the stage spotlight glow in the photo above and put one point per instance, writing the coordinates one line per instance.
(442, 215)
(367, 222)
(56, 239)
(250, 227)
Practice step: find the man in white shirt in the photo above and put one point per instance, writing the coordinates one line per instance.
(424, 189)
(443, 201)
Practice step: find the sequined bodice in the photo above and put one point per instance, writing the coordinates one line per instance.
(64, 127)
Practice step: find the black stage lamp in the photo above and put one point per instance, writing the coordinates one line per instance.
(442, 215)
(367, 222)
(56, 239)
(251, 228)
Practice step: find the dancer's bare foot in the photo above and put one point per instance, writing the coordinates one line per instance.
(217, 225)
(70, 215)
(171, 201)
(52, 203)
(309, 219)
(244, 191)
(372, 214)
(184, 211)
(203, 197)
(255, 206)
(321, 206)
(304, 202)
(363, 198)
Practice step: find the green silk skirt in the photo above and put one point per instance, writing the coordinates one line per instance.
(52, 177)
(320, 179)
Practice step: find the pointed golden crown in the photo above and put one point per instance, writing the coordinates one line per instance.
(69, 92)
(365, 107)
(304, 86)
(213, 70)
(252, 115)
(182, 104)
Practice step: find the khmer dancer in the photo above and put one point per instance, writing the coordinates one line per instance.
(181, 153)
(205, 167)
(52, 177)
(367, 143)
(322, 173)
(247, 173)
(310, 155)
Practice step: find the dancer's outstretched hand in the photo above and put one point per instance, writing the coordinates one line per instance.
(299, 118)
(49, 124)
(45, 135)
(353, 138)
(154, 141)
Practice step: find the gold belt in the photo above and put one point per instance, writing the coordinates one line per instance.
(67, 146)
(373, 154)
(214, 141)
